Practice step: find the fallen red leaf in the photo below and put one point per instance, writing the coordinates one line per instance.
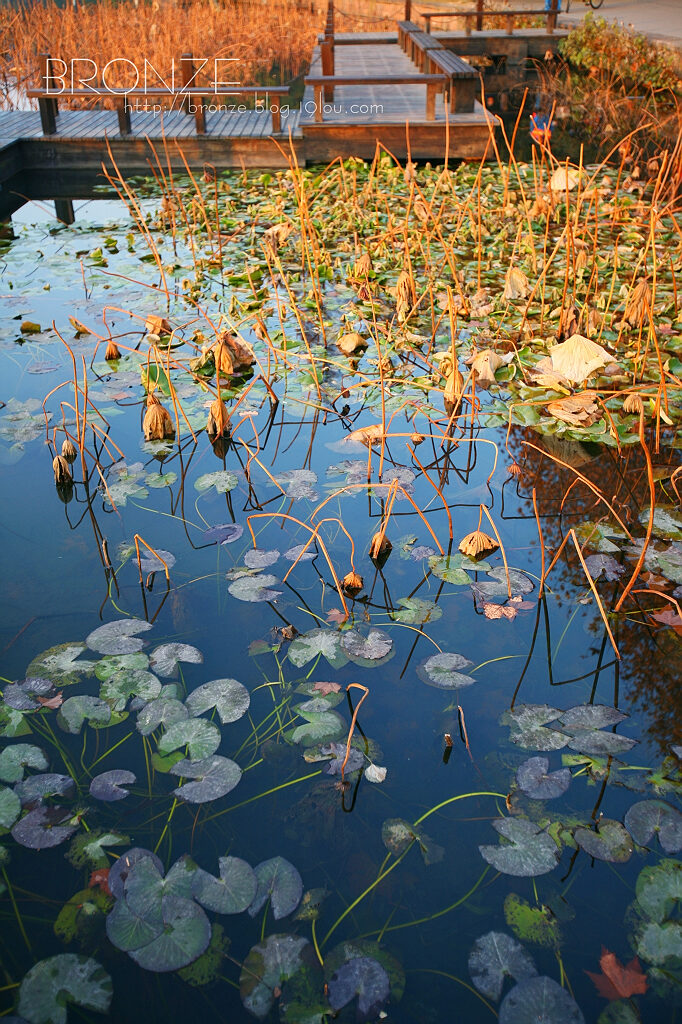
(100, 878)
(325, 688)
(336, 615)
(618, 981)
(669, 618)
(51, 702)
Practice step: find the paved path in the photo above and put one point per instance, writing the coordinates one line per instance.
(661, 20)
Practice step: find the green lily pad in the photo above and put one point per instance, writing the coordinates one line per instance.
(397, 835)
(449, 568)
(611, 842)
(52, 984)
(531, 924)
(60, 664)
(647, 818)
(530, 850)
(416, 611)
(164, 660)
(322, 727)
(279, 881)
(88, 848)
(112, 664)
(228, 696)
(119, 688)
(13, 760)
(659, 943)
(221, 479)
(162, 711)
(536, 781)
(77, 710)
(316, 642)
(10, 807)
(528, 727)
(443, 671)
(497, 956)
(213, 777)
(367, 651)
(266, 967)
(667, 522)
(363, 977)
(232, 892)
(118, 637)
(659, 889)
(255, 588)
(200, 737)
(539, 999)
(185, 936)
(109, 786)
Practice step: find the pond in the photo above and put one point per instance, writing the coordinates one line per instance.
(247, 770)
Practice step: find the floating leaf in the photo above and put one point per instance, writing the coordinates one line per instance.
(200, 737)
(112, 664)
(322, 727)
(88, 849)
(417, 611)
(539, 999)
(298, 483)
(77, 710)
(43, 828)
(224, 533)
(335, 754)
(52, 984)
(128, 683)
(532, 924)
(152, 561)
(534, 779)
(660, 942)
(162, 711)
(616, 980)
(397, 835)
(530, 850)
(605, 565)
(611, 842)
(317, 642)
(375, 773)
(528, 727)
(221, 479)
(28, 694)
(299, 553)
(232, 892)
(60, 664)
(13, 760)
(35, 787)
(363, 977)
(256, 558)
(449, 568)
(10, 807)
(118, 637)
(365, 651)
(496, 585)
(443, 671)
(266, 967)
(659, 889)
(497, 956)
(164, 659)
(214, 777)
(109, 785)
(127, 930)
(655, 817)
(121, 868)
(590, 716)
(254, 588)
(186, 934)
(228, 696)
(279, 881)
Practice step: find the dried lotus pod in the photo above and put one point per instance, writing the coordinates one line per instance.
(380, 547)
(633, 404)
(637, 305)
(477, 544)
(363, 265)
(157, 325)
(157, 423)
(61, 470)
(217, 418)
(417, 438)
(69, 450)
(223, 358)
(516, 284)
(405, 296)
(241, 353)
(352, 583)
(112, 352)
(350, 342)
(452, 392)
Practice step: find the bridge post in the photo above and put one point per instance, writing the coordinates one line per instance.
(47, 105)
(479, 15)
(186, 76)
(552, 17)
(327, 51)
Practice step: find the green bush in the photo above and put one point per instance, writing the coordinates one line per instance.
(620, 53)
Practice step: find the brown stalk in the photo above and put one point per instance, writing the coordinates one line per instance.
(351, 686)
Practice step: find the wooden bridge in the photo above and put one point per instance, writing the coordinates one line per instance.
(414, 90)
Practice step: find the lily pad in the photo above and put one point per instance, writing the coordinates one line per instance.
(200, 737)
(224, 533)
(228, 696)
(334, 755)
(164, 660)
(24, 695)
(121, 868)
(443, 671)
(605, 565)
(185, 936)
(162, 711)
(257, 558)
(611, 842)
(325, 642)
(536, 781)
(232, 892)
(279, 881)
(60, 664)
(13, 760)
(322, 727)
(397, 835)
(44, 827)
(528, 727)
(112, 664)
(449, 568)
(255, 588)
(213, 777)
(109, 785)
(128, 683)
(660, 942)
(366, 651)
(497, 956)
(35, 788)
(363, 977)
(647, 818)
(416, 611)
(298, 483)
(266, 967)
(52, 984)
(10, 807)
(118, 637)
(539, 999)
(221, 479)
(659, 889)
(77, 710)
(530, 850)
(496, 584)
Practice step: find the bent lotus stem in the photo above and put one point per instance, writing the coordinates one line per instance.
(354, 719)
(140, 540)
(499, 541)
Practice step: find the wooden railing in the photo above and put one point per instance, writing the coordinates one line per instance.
(49, 96)
(434, 85)
(474, 18)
